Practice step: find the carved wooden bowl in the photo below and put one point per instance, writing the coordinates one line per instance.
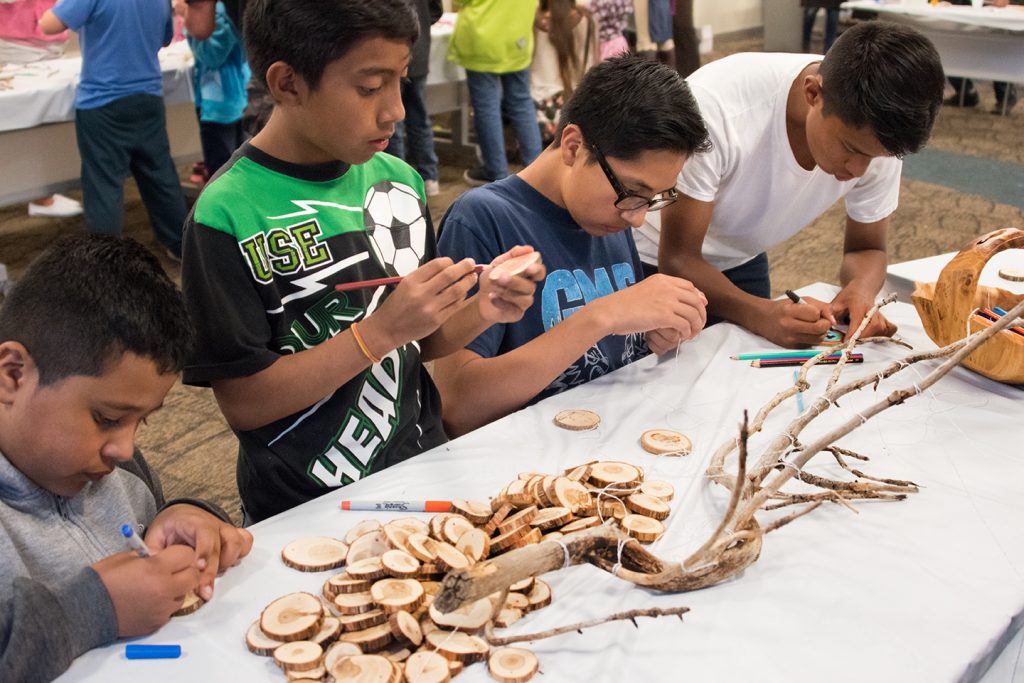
(946, 307)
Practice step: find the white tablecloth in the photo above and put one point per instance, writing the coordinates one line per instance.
(903, 276)
(923, 590)
(1010, 18)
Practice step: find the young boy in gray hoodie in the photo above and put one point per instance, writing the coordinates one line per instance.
(91, 340)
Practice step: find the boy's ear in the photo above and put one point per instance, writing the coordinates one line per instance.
(812, 89)
(285, 86)
(571, 144)
(17, 370)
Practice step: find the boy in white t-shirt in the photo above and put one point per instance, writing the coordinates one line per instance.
(792, 134)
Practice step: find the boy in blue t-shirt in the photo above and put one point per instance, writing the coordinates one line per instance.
(621, 142)
(119, 112)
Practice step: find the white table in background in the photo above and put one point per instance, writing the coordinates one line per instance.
(902, 276)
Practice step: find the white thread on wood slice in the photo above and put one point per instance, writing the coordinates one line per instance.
(470, 617)
(369, 569)
(373, 544)
(361, 622)
(514, 266)
(315, 554)
(190, 604)
(371, 639)
(474, 544)
(258, 642)
(400, 564)
(512, 665)
(665, 442)
(475, 511)
(449, 558)
(539, 596)
(405, 628)
(330, 629)
(454, 527)
(422, 547)
(426, 667)
(353, 603)
(577, 420)
(363, 669)
(457, 645)
(649, 506)
(643, 528)
(395, 594)
(580, 524)
(611, 473)
(658, 489)
(295, 616)
(364, 527)
(300, 655)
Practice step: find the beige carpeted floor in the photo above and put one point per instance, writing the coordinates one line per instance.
(191, 447)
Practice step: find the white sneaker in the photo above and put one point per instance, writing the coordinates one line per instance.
(432, 188)
(61, 207)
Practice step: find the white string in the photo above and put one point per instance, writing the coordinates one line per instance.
(618, 563)
(565, 552)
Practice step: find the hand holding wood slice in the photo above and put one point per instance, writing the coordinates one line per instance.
(295, 616)
(190, 604)
(514, 266)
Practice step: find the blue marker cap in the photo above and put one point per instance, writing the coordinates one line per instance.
(126, 530)
(147, 651)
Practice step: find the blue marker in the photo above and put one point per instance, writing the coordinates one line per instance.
(134, 542)
(147, 651)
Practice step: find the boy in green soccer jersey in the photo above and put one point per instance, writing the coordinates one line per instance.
(324, 387)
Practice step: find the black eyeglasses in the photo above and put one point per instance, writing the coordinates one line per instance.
(627, 200)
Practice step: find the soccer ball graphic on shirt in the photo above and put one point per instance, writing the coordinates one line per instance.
(393, 216)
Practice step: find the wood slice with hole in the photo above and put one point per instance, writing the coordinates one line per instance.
(364, 527)
(373, 544)
(579, 473)
(315, 554)
(363, 669)
(508, 616)
(514, 266)
(344, 583)
(373, 639)
(570, 494)
(395, 594)
(499, 516)
(454, 527)
(330, 629)
(339, 650)
(458, 646)
(577, 420)
(520, 519)
(422, 547)
(348, 604)
(500, 544)
(405, 628)
(665, 442)
(470, 617)
(476, 512)
(258, 642)
(512, 665)
(299, 655)
(612, 474)
(658, 489)
(369, 569)
(648, 506)
(539, 596)
(643, 528)
(449, 558)
(580, 524)
(426, 667)
(295, 616)
(363, 621)
(190, 604)
(474, 544)
(400, 564)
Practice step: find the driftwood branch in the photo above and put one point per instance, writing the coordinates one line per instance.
(632, 615)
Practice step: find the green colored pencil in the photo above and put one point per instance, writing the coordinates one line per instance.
(782, 354)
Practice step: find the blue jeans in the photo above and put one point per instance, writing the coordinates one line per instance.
(752, 277)
(488, 92)
(420, 153)
(831, 26)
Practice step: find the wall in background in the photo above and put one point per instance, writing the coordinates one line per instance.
(725, 16)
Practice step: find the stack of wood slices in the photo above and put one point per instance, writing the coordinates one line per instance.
(375, 621)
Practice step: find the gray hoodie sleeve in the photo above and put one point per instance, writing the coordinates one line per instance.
(44, 628)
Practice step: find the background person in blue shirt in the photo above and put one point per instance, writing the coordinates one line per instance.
(621, 141)
(120, 121)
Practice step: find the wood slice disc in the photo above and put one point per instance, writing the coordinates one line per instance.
(499, 516)
(529, 538)
(1012, 274)
(455, 667)
(397, 535)
(454, 527)
(474, 544)
(405, 628)
(437, 525)
(507, 541)
(426, 667)
(523, 586)
(580, 524)
(658, 489)
(431, 587)
(422, 547)
(458, 646)
(363, 669)
(299, 655)
(370, 569)
(539, 596)
(612, 474)
(611, 508)
(314, 554)
(577, 420)
(295, 616)
(361, 622)
(665, 442)
(512, 665)
(364, 527)
(414, 525)
(518, 600)
(190, 604)
(578, 473)
(475, 511)
(395, 594)
(520, 519)
(449, 558)
(373, 639)
(552, 536)
(643, 528)
(429, 570)
(570, 494)
(400, 564)
(649, 506)
(258, 642)
(316, 675)
(515, 265)
(339, 650)
(344, 583)
(470, 617)
(348, 604)
(329, 631)
(397, 656)
(508, 616)
(373, 544)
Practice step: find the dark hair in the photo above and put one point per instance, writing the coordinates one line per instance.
(87, 300)
(628, 105)
(310, 34)
(561, 30)
(887, 77)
